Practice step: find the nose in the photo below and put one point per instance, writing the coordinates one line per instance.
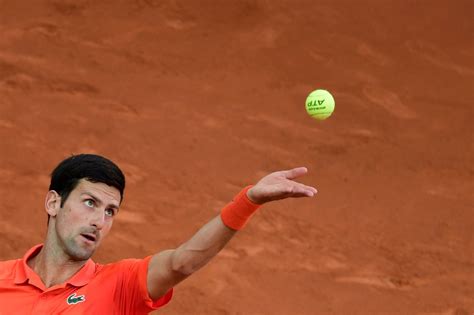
(98, 220)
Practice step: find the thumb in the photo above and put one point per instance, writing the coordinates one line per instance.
(295, 172)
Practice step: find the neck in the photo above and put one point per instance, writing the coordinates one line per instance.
(53, 266)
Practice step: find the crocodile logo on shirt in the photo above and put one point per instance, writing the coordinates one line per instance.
(73, 299)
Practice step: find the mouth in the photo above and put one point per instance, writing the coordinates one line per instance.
(91, 238)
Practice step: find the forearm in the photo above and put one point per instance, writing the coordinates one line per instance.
(202, 247)
(168, 268)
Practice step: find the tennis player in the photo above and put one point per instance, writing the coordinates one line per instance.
(85, 194)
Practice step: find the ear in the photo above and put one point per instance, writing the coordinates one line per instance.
(52, 203)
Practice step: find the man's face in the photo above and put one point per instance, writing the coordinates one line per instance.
(86, 218)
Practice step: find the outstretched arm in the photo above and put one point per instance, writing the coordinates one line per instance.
(168, 268)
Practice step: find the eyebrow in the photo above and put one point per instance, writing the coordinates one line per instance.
(96, 199)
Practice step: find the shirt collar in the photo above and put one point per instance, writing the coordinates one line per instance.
(24, 273)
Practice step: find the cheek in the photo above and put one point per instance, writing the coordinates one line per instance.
(63, 226)
(69, 218)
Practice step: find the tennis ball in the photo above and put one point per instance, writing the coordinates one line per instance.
(320, 104)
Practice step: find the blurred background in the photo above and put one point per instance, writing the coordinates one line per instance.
(196, 99)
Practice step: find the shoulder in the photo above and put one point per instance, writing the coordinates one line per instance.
(7, 268)
(124, 265)
(125, 275)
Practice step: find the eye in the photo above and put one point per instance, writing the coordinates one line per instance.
(89, 203)
(109, 212)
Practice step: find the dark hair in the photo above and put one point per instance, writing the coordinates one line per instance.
(94, 168)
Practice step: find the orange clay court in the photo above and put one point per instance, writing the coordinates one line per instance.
(194, 100)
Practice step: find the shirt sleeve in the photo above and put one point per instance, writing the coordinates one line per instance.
(133, 292)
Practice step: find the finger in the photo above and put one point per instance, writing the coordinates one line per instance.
(302, 196)
(311, 189)
(301, 193)
(295, 172)
(303, 190)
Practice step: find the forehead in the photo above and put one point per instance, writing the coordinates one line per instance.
(106, 194)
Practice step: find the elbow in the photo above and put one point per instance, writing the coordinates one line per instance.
(183, 269)
(183, 264)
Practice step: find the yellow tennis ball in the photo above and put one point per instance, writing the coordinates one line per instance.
(320, 104)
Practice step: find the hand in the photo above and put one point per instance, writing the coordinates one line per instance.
(280, 185)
